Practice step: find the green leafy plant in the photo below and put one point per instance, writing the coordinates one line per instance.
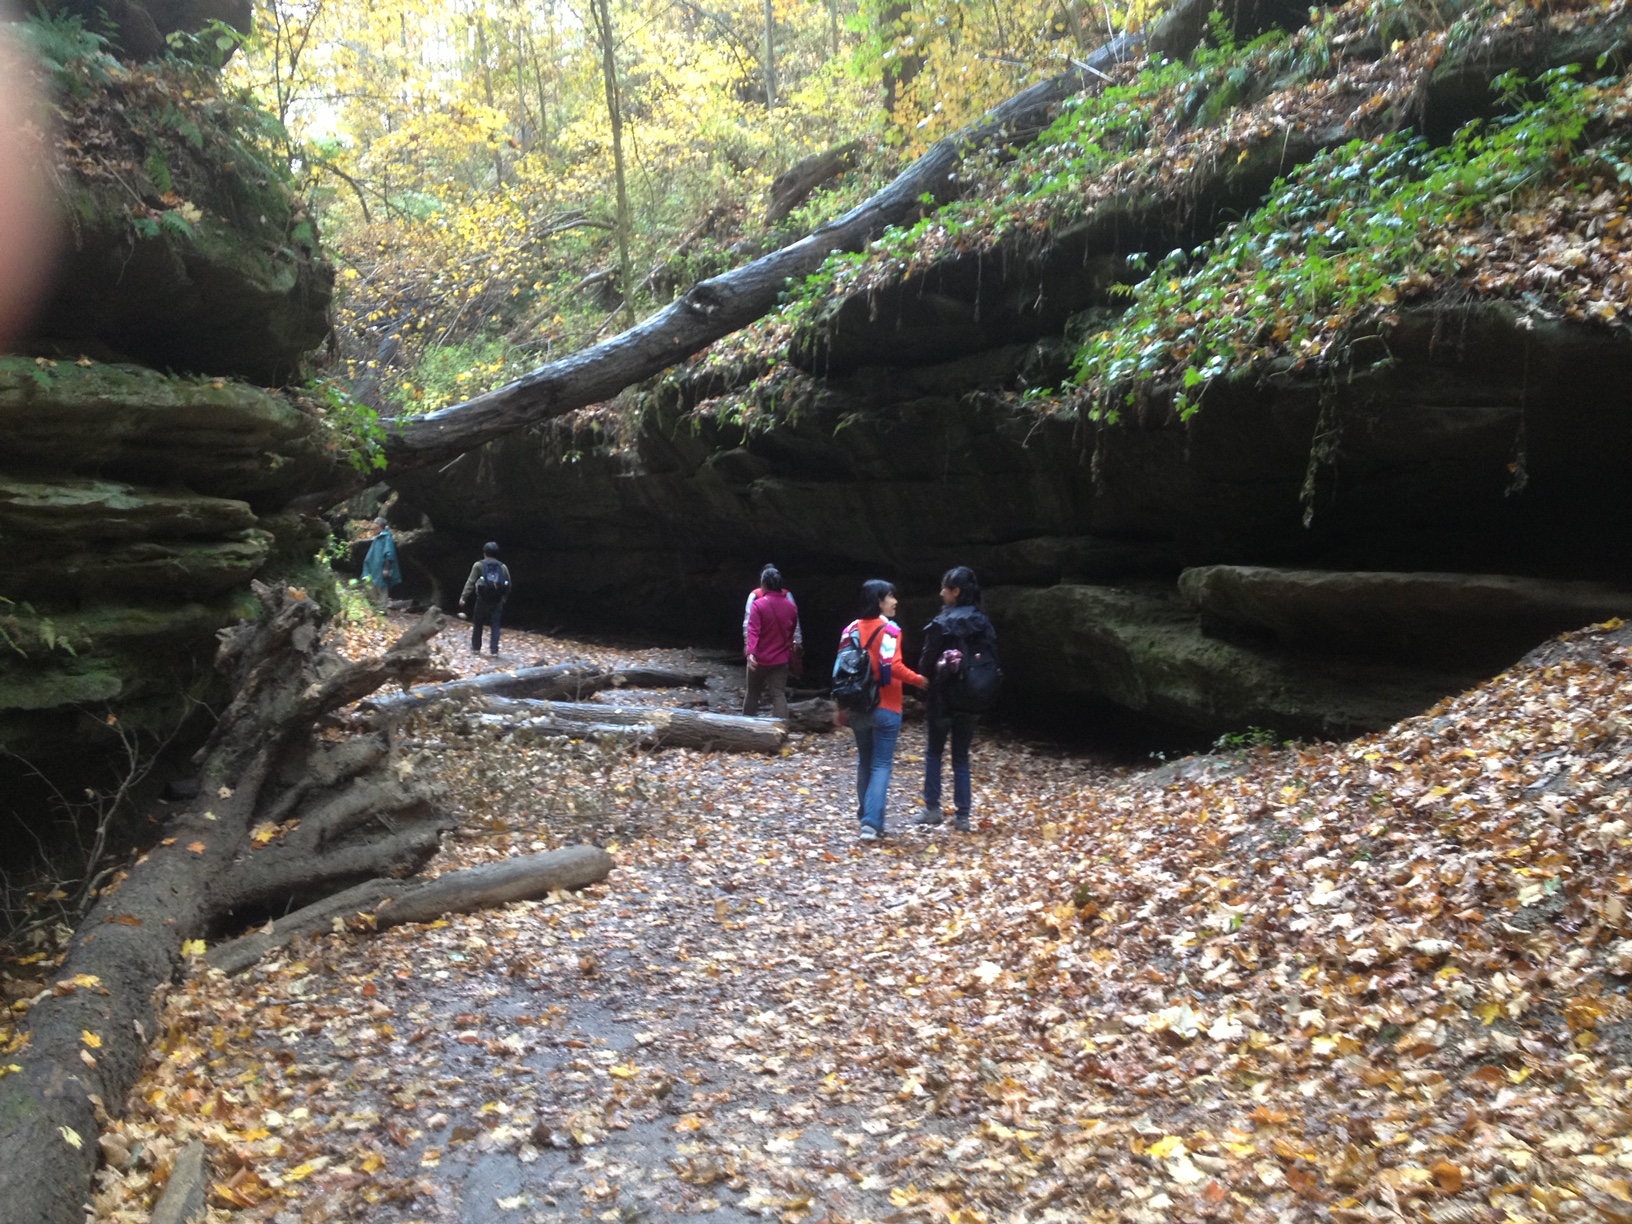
(1337, 246)
(1252, 737)
(75, 58)
(209, 48)
(354, 426)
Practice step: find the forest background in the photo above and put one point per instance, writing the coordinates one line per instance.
(501, 183)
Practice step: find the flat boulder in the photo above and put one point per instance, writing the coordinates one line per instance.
(1143, 649)
(1478, 620)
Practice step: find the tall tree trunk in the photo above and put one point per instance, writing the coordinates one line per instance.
(538, 84)
(833, 24)
(770, 60)
(601, 10)
(487, 89)
(899, 70)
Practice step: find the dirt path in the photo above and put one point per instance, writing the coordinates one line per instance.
(734, 1025)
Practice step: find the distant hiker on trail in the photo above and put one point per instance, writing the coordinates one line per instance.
(489, 586)
(798, 633)
(771, 642)
(867, 678)
(960, 659)
(381, 568)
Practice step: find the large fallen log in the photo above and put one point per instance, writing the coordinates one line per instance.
(378, 904)
(659, 726)
(791, 188)
(564, 681)
(282, 817)
(721, 305)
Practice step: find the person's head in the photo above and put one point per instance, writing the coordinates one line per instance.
(960, 588)
(770, 579)
(490, 549)
(380, 523)
(877, 598)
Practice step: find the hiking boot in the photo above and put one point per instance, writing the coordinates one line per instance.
(869, 834)
(960, 822)
(929, 816)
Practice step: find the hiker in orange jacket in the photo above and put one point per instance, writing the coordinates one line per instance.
(877, 731)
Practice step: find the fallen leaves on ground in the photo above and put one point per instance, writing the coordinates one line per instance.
(1375, 980)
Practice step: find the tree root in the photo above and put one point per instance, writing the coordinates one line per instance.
(282, 817)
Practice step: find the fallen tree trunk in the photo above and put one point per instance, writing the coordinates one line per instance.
(721, 305)
(790, 188)
(378, 904)
(281, 817)
(564, 681)
(659, 727)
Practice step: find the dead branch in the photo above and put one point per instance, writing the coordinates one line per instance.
(656, 726)
(378, 904)
(563, 681)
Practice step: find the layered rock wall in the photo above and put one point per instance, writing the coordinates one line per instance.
(1491, 444)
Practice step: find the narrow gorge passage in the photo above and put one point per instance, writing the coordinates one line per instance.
(734, 1022)
(1308, 982)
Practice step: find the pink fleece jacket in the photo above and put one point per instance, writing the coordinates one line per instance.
(771, 622)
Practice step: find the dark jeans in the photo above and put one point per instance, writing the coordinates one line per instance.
(485, 614)
(875, 734)
(961, 727)
(773, 683)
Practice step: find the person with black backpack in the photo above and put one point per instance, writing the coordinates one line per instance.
(489, 586)
(960, 659)
(867, 679)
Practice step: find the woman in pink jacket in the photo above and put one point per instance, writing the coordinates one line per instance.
(771, 639)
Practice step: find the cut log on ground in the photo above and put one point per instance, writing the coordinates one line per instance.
(658, 727)
(816, 714)
(721, 305)
(791, 188)
(282, 817)
(564, 681)
(378, 904)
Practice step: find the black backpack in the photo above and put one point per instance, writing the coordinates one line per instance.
(492, 585)
(971, 687)
(854, 686)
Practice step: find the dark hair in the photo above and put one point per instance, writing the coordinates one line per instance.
(968, 586)
(770, 579)
(873, 593)
(490, 549)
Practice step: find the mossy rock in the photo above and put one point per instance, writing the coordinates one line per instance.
(215, 436)
(187, 246)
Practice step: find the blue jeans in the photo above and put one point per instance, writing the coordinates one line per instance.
(961, 727)
(875, 734)
(484, 614)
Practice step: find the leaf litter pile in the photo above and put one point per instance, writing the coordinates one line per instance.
(1377, 980)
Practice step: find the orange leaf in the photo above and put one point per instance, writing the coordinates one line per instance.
(1447, 1176)
(125, 920)
(197, 847)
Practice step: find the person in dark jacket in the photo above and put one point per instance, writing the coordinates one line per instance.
(489, 586)
(960, 622)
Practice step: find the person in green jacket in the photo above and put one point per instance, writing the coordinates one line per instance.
(489, 586)
(381, 568)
